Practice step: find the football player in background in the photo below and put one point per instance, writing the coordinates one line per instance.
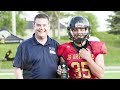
(84, 58)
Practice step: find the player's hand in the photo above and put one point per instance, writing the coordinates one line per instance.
(85, 54)
(59, 70)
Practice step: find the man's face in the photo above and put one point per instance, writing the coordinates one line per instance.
(41, 27)
(79, 32)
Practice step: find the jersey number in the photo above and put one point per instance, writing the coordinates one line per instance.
(83, 69)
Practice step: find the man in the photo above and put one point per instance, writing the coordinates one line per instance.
(84, 58)
(37, 57)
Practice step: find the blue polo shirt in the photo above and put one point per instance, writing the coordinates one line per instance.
(37, 61)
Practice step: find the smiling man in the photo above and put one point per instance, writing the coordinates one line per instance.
(37, 56)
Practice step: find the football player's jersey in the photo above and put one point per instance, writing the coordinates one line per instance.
(78, 67)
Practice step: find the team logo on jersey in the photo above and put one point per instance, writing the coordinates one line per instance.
(52, 50)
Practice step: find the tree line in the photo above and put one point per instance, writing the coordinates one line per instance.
(55, 16)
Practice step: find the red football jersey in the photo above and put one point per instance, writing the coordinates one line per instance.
(78, 68)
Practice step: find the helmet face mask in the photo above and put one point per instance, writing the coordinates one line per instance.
(78, 29)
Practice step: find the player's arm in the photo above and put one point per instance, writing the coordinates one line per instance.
(97, 66)
(18, 73)
(98, 71)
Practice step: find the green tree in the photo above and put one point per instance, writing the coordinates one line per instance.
(20, 24)
(114, 23)
(6, 20)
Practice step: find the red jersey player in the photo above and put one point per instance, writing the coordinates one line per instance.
(84, 58)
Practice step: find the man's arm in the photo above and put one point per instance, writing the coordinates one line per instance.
(18, 73)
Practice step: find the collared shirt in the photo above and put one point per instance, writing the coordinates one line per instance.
(37, 61)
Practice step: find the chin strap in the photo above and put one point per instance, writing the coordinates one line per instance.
(77, 48)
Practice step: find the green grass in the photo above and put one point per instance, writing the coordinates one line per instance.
(112, 76)
(7, 77)
(3, 49)
(6, 65)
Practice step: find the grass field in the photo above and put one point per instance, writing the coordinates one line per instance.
(5, 47)
(113, 75)
(7, 77)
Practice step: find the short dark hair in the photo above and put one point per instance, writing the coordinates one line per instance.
(41, 16)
